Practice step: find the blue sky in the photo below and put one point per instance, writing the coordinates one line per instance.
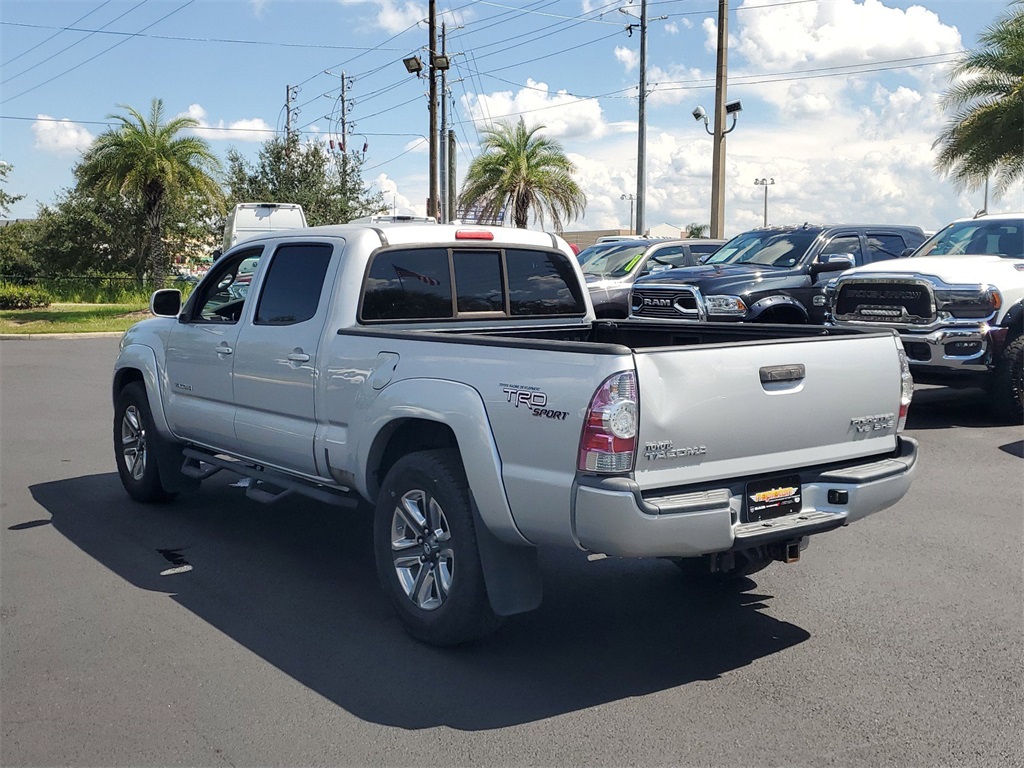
(839, 96)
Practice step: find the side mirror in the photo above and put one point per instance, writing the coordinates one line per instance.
(659, 268)
(906, 252)
(832, 262)
(166, 302)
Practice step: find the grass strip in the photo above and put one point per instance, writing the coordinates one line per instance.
(73, 318)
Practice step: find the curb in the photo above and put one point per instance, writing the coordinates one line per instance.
(35, 336)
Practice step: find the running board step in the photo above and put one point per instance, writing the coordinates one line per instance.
(283, 485)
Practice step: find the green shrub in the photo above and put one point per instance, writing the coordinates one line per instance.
(23, 297)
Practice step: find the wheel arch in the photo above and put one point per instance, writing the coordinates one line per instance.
(1013, 321)
(786, 306)
(434, 413)
(137, 362)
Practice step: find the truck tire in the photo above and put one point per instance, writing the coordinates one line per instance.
(426, 550)
(1008, 383)
(742, 565)
(136, 461)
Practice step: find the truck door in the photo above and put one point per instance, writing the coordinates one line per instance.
(200, 353)
(275, 363)
(813, 296)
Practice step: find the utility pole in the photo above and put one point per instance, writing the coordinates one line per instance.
(443, 207)
(344, 127)
(287, 112)
(451, 175)
(432, 54)
(718, 150)
(641, 151)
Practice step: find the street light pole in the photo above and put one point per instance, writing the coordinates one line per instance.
(718, 152)
(432, 132)
(631, 198)
(641, 152)
(765, 183)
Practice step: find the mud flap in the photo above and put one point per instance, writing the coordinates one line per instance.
(169, 460)
(511, 573)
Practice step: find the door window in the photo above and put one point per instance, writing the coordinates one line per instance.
(220, 298)
(844, 244)
(291, 290)
(672, 256)
(884, 246)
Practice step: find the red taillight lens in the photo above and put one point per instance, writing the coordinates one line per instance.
(608, 443)
(906, 388)
(473, 234)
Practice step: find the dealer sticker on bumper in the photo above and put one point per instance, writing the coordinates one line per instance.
(774, 497)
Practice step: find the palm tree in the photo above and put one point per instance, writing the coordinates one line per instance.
(697, 230)
(522, 173)
(984, 135)
(148, 160)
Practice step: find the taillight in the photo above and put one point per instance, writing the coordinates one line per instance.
(473, 234)
(608, 443)
(906, 387)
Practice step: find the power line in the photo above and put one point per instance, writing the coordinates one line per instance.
(59, 30)
(179, 38)
(105, 50)
(72, 45)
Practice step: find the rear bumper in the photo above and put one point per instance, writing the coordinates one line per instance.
(611, 516)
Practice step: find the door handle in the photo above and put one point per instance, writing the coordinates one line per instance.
(224, 349)
(298, 357)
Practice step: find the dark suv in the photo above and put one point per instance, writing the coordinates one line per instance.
(610, 268)
(770, 275)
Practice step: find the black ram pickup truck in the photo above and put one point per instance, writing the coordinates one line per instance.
(769, 275)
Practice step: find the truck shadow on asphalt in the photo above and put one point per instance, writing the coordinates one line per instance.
(295, 583)
(944, 407)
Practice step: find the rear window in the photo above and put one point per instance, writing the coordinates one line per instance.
(462, 284)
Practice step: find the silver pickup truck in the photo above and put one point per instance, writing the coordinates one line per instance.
(455, 378)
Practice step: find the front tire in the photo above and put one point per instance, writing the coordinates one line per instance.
(425, 547)
(1008, 383)
(134, 436)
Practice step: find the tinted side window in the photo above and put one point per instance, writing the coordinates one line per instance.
(673, 254)
(478, 284)
(882, 247)
(221, 296)
(408, 285)
(542, 283)
(294, 282)
(848, 244)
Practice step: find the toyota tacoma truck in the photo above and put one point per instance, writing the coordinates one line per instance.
(454, 380)
(957, 303)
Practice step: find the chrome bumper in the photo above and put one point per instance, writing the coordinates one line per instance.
(933, 350)
(610, 516)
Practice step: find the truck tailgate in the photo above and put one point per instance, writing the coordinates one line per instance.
(732, 410)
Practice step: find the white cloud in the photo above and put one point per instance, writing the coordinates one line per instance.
(629, 57)
(246, 129)
(258, 7)
(394, 199)
(391, 16)
(61, 137)
(418, 145)
(563, 115)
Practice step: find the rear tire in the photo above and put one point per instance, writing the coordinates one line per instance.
(1007, 388)
(134, 437)
(425, 546)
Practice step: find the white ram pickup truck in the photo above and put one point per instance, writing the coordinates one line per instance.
(957, 303)
(455, 378)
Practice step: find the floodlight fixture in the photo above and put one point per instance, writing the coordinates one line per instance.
(440, 61)
(413, 65)
(733, 107)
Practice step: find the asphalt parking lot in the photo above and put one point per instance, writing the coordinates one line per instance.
(897, 641)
